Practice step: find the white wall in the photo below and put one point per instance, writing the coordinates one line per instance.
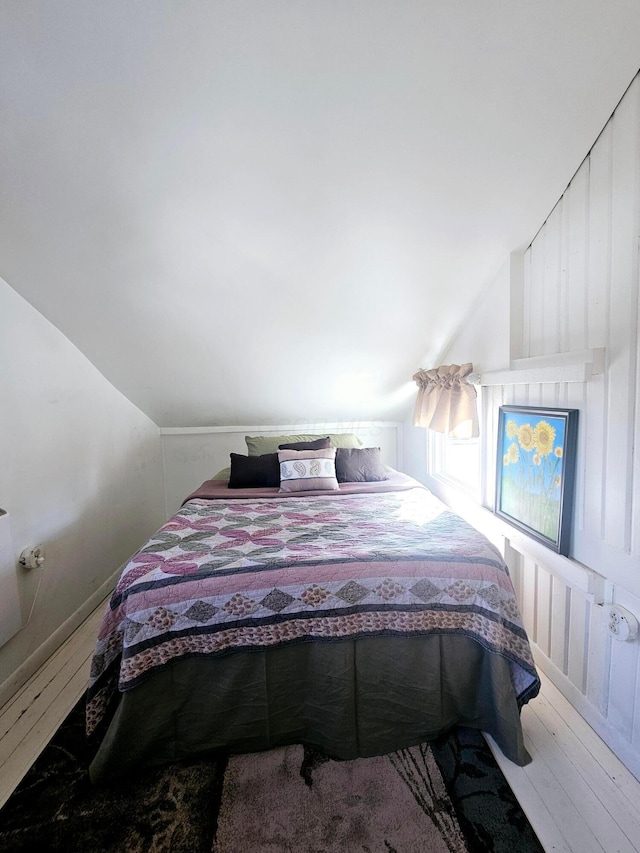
(483, 340)
(80, 473)
(580, 291)
(485, 336)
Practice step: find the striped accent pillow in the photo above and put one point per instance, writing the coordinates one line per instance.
(308, 470)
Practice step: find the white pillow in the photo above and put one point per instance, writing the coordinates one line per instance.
(308, 470)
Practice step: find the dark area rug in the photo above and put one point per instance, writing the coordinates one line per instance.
(56, 809)
(454, 785)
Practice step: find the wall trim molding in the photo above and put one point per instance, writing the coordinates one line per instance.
(318, 426)
(621, 748)
(36, 659)
(577, 366)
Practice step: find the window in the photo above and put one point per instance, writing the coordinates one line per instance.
(456, 461)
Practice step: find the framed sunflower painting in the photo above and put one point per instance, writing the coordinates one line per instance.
(536, 463)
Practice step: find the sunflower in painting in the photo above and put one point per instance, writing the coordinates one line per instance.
(544, 436)
(526, 437)
(512, 429)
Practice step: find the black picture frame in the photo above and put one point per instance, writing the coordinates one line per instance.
(535, 472)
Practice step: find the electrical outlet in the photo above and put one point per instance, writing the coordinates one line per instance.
(32, 558)
(621, 624)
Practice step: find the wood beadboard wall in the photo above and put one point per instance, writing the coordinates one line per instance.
(580, 292)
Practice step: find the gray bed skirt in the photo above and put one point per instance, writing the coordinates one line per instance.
(349, 698)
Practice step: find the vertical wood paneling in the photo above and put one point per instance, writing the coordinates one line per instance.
(581, 285)
(582, 290)
(543, 610)
(528, 394)
(549, 394)
(635, 726)
(576, 399)
(632, 603)
(528, 604)
(624, 688)
(560, 603)
(534, 308)
(593, 466)
(598, 286)
(492, 399)
(577, 276)
(635, 521)
(622, 315)
(563, 393)
(564, 314)
(635, 740)
(551, 295)
(526, 299)
(578, 637)
(514, 561)
(598, 661)
(599, 238)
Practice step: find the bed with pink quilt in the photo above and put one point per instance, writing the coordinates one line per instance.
(358, 621)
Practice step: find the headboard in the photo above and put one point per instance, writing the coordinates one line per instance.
(194, 454)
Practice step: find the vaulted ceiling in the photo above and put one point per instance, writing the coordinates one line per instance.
(265, 211)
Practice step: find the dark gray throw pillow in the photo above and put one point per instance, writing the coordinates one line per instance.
(318, 444)
(359, 465)
(253, 471)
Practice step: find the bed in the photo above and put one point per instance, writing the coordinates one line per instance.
(345, 608)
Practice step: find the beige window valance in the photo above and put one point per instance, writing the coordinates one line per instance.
(446, 401)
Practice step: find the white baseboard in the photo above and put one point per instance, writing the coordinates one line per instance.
(622, 748)
(32, 664)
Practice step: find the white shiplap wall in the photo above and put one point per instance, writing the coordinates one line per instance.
(581, 292)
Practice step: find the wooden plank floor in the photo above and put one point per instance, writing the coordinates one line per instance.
(32, 716)
(578, 796)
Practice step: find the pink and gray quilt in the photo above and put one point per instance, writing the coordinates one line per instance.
(259, 572)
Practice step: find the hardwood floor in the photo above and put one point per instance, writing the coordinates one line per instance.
(31, 717)
(578, 796)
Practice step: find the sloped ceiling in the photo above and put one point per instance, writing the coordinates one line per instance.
(261, 211)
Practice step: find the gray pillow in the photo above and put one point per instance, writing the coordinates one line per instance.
(359, 465)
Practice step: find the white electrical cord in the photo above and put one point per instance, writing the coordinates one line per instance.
(35, 597)
(33, 558)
